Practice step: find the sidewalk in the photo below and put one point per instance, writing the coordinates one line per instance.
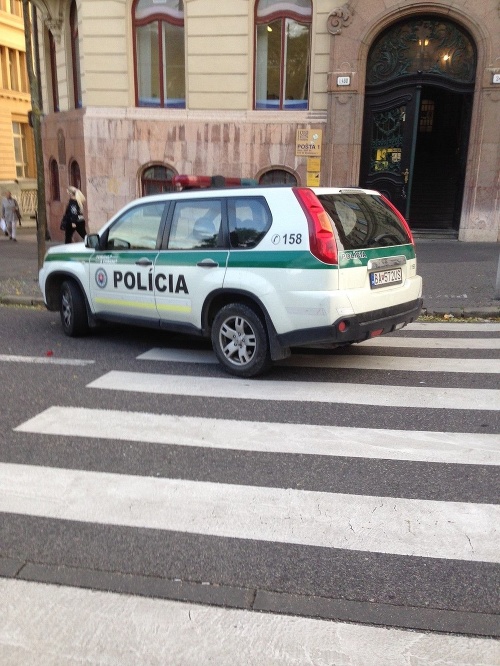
(459, 278)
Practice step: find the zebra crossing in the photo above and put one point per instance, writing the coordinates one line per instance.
(351, 497)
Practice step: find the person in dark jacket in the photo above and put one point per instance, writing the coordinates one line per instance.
(73, 218)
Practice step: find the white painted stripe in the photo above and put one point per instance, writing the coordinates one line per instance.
(442, 447)
(452, 530)
(432, 343)
(52, 624)
(50, 360)
(347, 361)
(396, 363)
(174, 355)
(329, 392)
(463, 327)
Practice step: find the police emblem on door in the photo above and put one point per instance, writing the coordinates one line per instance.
(101, 278)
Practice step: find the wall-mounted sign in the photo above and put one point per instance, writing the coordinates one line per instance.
(313, 164)
(308, 143)
(343, 80)
(313, 179)
(496, 78)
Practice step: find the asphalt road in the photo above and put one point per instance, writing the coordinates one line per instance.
(405, 462)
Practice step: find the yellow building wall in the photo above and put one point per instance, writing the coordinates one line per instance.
(219, 45)
(14, 104)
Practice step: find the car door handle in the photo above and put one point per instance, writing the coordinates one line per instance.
(208, 263)
(144, 262)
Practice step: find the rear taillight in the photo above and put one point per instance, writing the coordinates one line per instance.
(400, 217)
(322, 242)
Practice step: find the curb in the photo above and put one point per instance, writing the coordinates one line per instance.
(34, 301)
(462, 313)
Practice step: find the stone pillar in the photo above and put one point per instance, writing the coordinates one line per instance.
(342, 145)
(481, 204)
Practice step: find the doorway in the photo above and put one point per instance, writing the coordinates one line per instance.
(440, 159)
(418, 104)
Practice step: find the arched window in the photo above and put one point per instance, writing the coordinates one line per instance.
(156, 179)
(283, 53)
(278, 177)
(159, 53)
(75, 56)
(55, 191)
(75, 178)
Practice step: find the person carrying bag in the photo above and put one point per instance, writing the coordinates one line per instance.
(73, 219)
(10, 215)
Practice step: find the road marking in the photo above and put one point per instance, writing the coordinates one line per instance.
(50, 360)
(344, 361)
(58, 624)
(433, 343)
(324, 392)
(442, 447)
(173, 355)
(425, 528)
(455, 326)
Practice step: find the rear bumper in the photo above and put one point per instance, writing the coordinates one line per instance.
(358, 328)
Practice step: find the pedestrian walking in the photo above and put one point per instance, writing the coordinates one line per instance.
(11, 215)
(73, 218)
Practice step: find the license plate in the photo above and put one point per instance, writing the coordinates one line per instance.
(385, 278)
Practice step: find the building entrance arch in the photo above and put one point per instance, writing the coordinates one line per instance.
(418, 103)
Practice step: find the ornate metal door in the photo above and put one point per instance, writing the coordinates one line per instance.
(389, 144)
(412, 58)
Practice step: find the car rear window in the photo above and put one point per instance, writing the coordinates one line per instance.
(249, 220)
(363, 220)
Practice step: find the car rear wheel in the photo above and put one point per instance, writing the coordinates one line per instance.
(74, 318)
(240, 341)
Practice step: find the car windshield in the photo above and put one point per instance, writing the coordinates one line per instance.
(363, 221)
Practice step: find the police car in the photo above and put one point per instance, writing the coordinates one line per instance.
(258, 270)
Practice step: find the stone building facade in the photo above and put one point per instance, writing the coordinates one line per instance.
(400, 95)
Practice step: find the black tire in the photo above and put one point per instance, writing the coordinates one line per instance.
(73, 312)
(240, 341)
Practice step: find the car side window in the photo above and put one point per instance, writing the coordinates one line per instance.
(195, 224)
(249, 220)
(137, 229)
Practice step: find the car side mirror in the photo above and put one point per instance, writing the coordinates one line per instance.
(92, 241)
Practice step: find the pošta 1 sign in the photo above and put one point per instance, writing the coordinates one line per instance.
(308, 143)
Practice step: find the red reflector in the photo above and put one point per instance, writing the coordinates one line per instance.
(322, 243)
(342, 326)
(379, 331)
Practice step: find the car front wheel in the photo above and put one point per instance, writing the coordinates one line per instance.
(240, 341)
(74, 318)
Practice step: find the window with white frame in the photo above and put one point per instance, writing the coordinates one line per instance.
(20, 152)
(282, 53)
(159, 53)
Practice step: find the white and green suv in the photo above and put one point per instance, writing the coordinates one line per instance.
(258, 270)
